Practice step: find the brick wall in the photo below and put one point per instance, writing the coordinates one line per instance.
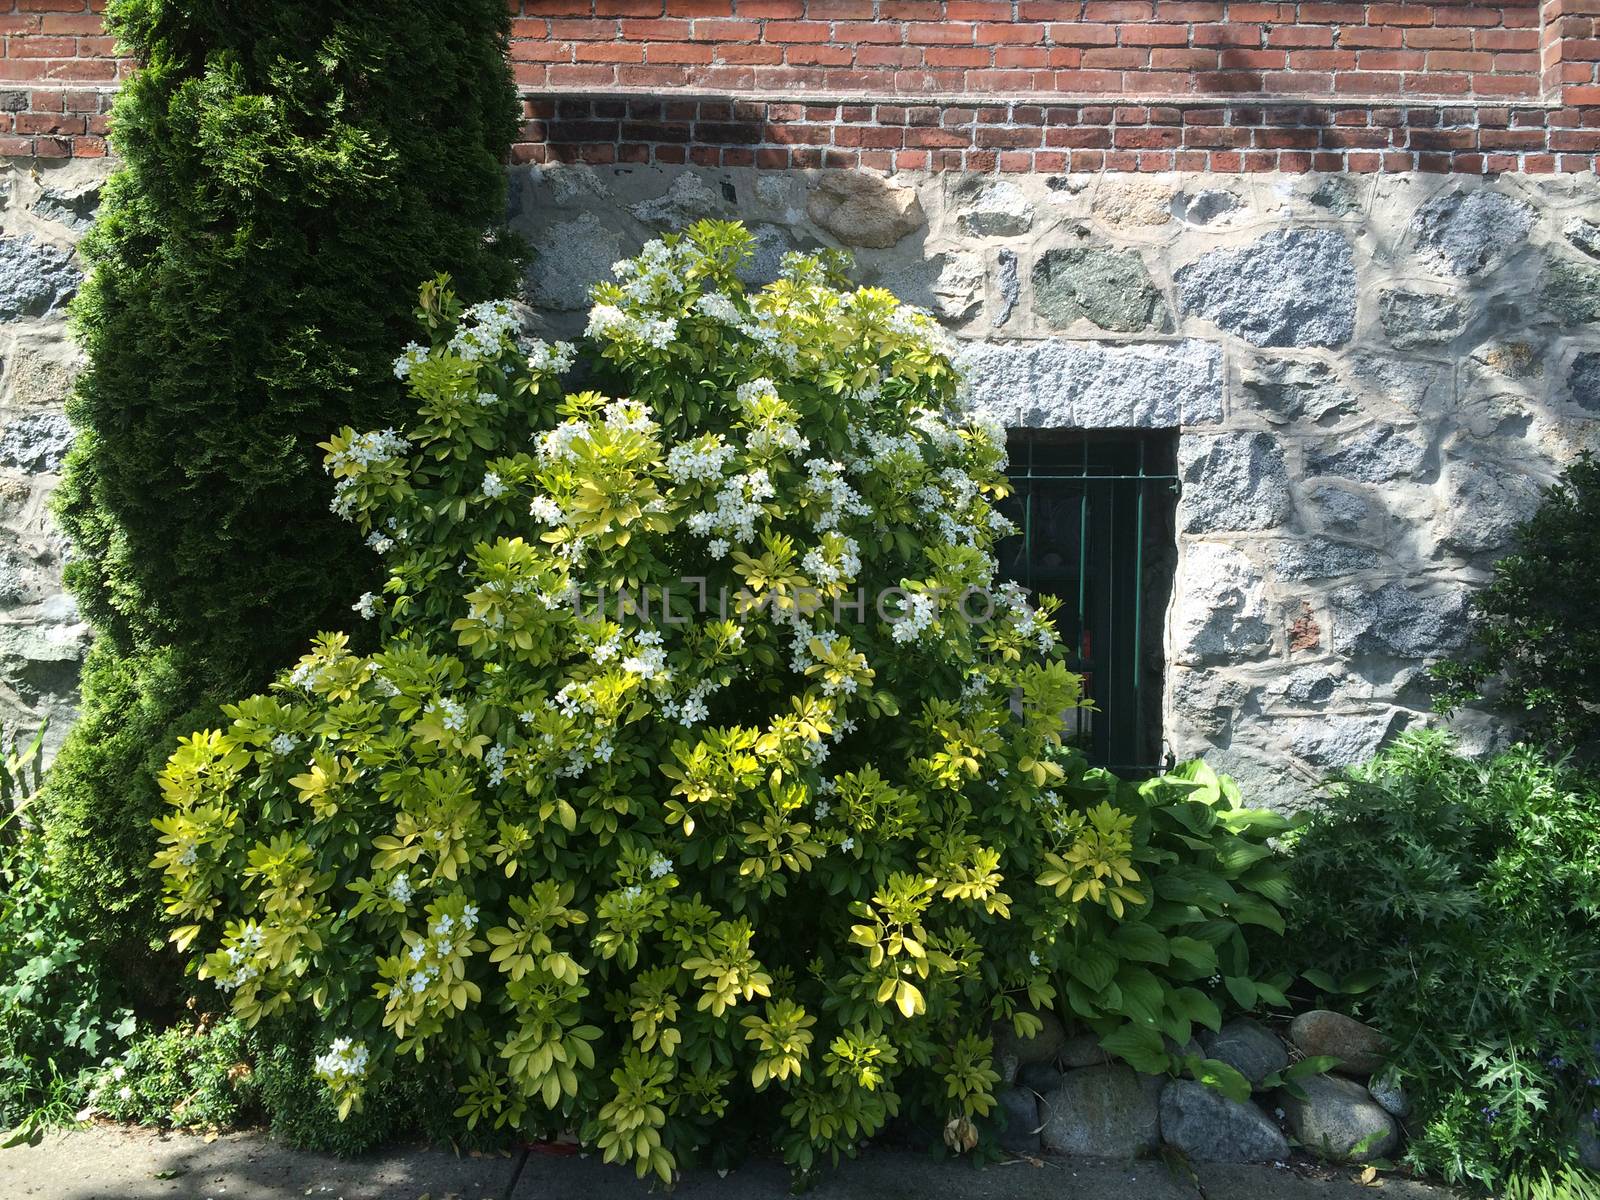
(1007, 85)
(964, 47)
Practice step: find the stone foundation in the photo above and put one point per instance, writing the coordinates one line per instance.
(44, 209)
(1371, 378)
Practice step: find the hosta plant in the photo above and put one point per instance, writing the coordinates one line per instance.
(705, 783)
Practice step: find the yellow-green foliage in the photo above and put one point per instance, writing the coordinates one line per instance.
(655, 876)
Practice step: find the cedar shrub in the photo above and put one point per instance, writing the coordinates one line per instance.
(288, 172)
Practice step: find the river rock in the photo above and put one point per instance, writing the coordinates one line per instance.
(1021, 1109)
(1337, 1119)
(1103, 1112)
(1359, 1048)
(1208, 1127)
(1042, 1048)
(1247, 1046)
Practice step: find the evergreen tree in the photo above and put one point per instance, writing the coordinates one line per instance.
(289, 173)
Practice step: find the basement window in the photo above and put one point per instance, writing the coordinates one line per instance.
(1095, 513)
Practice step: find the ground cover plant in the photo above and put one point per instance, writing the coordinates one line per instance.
(1467, 895)
(287, 172)
(56, 1016)
(705, 784)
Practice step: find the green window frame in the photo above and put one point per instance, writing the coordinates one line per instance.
(1096, 518)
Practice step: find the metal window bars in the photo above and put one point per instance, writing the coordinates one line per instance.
(1095, 513)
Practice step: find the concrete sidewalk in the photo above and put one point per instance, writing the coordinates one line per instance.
(110, 1163)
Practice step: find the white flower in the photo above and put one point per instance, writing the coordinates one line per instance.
(492, 486)
(452, 714)
(284, 744)
(400, 889)
(345, 1060)
(547, 510)
(546, 356)
(365, 606)
(409, 358)
(660, 866)
(125, 1093)
(848, 844)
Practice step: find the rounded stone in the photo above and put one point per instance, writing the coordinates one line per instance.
(1376, 454)
(688, 200)
(1247, 1046)
(1359, 1048)
(1042, 1048)
(36, 441)
(1391, 1096)
(1393, 619)
(1021, 1109)
(35, 278)
(1131, 203)
(1039, 1077)
(1583, 234)
(1220, 613)
(1337, 1119)
(1288, 288)
(1208, 1127)
(569, 258)
(1485, 505)
(1082, 1050)
(1103, 1112)
(1110, 287)
(1205, 206)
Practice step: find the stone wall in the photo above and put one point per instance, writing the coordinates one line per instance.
(1372, 377)
(44, 209)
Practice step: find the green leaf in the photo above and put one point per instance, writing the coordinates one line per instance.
(1321, 980)
(1093, 966)
(1139, 1046)
(1138, 942)
(1200, 955)
(1194, 1005)
(1225, 1079)
(1143, 995)
(1242, 989)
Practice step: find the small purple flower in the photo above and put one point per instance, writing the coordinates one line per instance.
(1557, 1062)
(1490, 1114)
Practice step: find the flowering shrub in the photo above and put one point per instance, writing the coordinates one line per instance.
(704, 771)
